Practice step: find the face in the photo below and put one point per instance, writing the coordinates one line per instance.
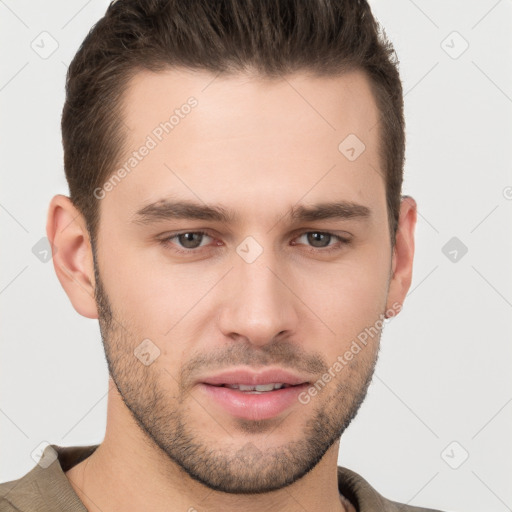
(244, 247)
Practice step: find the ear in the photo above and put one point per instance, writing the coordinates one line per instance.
(403, 254)
(72, 254)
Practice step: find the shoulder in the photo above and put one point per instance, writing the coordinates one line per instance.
(46, 488)
(7, 506)
(20, 495)
(367, 499)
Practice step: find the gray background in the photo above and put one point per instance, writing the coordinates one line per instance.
(442, 389)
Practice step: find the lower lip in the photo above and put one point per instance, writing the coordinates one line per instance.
(253, 406)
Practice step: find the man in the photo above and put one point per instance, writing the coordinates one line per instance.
(236, 224)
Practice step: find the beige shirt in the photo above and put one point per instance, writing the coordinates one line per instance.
(47, 489)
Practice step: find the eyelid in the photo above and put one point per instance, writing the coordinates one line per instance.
(337, 247)
(166, 240)
(343, 240)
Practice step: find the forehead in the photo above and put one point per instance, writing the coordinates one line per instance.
(279, 139)
(244, 105)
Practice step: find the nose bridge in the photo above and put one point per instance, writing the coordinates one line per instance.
(258, 305)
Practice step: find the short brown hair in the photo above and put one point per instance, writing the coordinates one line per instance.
(273, 37)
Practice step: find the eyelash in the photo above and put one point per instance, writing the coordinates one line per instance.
(166, 242)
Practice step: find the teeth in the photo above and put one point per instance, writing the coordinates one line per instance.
(259, 388)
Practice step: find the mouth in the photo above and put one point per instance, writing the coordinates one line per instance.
(245, 393)
(253, 402)
(259, 388)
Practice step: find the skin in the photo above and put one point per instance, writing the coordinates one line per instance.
(257, 147)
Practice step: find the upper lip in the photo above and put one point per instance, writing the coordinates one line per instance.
(253, 378)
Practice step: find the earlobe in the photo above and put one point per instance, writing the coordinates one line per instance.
(403, 253)
(72, 254)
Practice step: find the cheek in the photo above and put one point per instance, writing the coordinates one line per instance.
(165, 303)
(349, 297)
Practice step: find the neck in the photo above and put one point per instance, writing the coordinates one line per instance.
(126, 459)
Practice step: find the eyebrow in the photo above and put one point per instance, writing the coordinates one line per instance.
(165, 209)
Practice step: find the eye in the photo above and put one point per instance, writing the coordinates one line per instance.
(320, 241)
(188, 240)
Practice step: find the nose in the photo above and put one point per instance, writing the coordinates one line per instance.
(258, 302)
